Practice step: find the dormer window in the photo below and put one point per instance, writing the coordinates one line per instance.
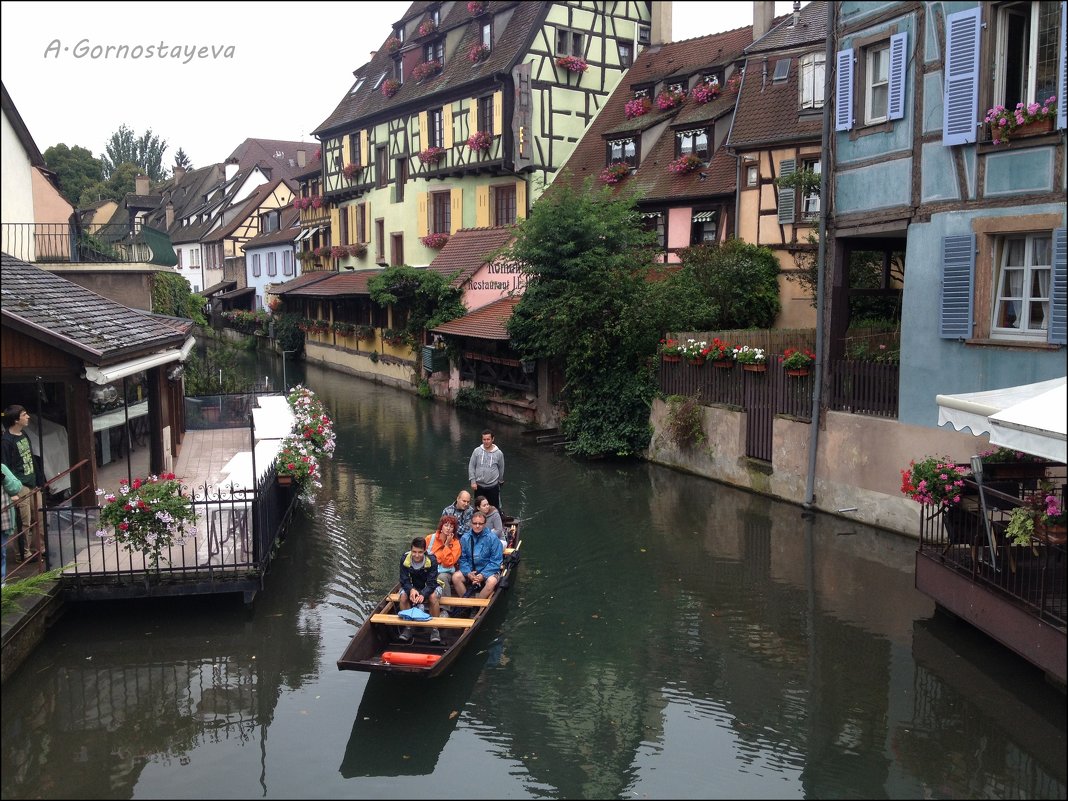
(381, 78)
(677, 86)
(398, 33)
(356, 88)
(711, 78)
(435, 51)
(435, 16)
(623, 150)
(693, 142)
(640, 93)
(486, 34)
(782, 70)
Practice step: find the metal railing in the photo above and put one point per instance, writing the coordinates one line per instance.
(65, 243)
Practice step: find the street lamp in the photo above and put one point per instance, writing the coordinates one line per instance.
(285, 386)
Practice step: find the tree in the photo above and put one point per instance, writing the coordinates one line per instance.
(171, 296)
(865, 272)
(586, 258)
(423, 299)
(146, 151)
(181, 160)
(123, 180)
(738, 282)
(75, 168)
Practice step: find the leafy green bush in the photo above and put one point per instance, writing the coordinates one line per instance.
(684, 424)
(472, 398)
(172, 296)
(424, 390)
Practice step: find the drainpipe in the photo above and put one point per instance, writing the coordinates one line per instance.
(821, 261)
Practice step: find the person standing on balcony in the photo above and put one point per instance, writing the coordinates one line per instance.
(16, 453)
(485, 470)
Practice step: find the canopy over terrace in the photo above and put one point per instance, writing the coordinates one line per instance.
(1028, 418)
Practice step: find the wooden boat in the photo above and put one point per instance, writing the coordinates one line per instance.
(377, 648)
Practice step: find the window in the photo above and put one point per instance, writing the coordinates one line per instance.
(381, 167)
(678, 86)
(256, 265)
(380, 240)
(1025, 52)
(810, 203)
(268, 222)
(401, 166)
(693, 142)
(354, 150)
(440, 212)
(876, 84)
(381, 78)
(624, 150)
(361, 222)
(703, 228)
(503, 204)
(644, 33)
(569, 43)
(654, 221)
(434, 130)
(810, 78)
(435, 51)
(435, 16)
(782, 70)
(178, 253)
(751, 175)
(1021, 302)
(194, 257)
(287, 262)
(486, 34)
(272, 263)
(396, 250)
(398, 70)
(626, 54)
(485, 114)
(343, 227)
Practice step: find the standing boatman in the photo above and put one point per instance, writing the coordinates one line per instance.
(485, 470)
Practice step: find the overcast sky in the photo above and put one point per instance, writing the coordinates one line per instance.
(268, 70)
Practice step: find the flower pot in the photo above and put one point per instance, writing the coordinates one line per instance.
(723, 364)
(1013, 470)
(1052, 535)
(671, 357)
(755, 368)
(285, 481)
(697, 361)
(797, 372)
(1036, 128)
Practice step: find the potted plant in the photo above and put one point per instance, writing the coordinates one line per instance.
(669, 99)
(478, 53)
(637, 107)
(148, 515)
(357, 250)
(320, 326)
(751, 359)
(296, 463)
(475, 7)
(344, 329)
(393, 44)
(425, 70)
(720, 354)
(432, 155)
(935, 481)
(390, 87)
(350, 171)
(394, 336)
(365, 332)
(339, 252)
(685, 164)
(317, 202)
(695, 352)
(670, 350)
(479, 141)
(614, 173)
(798, 362)
(572, 63)
(322, 252)
(704, 92)
(1041, 516)
(434, 241)
(427, 27)
(1024, 120)
(1006, 463)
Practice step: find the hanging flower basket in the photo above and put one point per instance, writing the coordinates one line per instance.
(434, 241)
(798, 372)
(393, 44)
(350, 171)
(637, 107)
(479, 141)
(322, 252)
(670, 350)
(317, 202)
(358, 250)
(794, 359)
(432, 155)
(697, 361)
(478, 53)
(390, 87)
(338, 252)
(474, 8)
(614, 173)
(685, 164)
(572, 63)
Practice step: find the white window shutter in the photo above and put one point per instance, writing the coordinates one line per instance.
(1062, 71)
(961, 96)
(1058, 311)
(787, 194)
(843, 90)
(899, 48)
(958, 271)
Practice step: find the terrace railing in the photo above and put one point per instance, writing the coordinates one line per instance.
(65, 243)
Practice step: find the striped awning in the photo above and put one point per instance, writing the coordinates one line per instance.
(648, 215)
(704, 216)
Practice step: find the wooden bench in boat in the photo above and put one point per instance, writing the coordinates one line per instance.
(434, 622)
(451, 600)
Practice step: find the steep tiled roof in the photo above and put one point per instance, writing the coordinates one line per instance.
(651, 180)
(310, 170)
(77, 320)
(278, 154)
(811, 28)
(468, 249)
(487, 322)
(335, 285)
(510, 43)
(222, 286)
(240, 214)
(287, 232)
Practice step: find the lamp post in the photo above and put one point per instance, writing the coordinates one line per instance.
(285, 386)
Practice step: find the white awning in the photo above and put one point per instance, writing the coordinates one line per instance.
(113, 372)
(1029, 418)
(704, 216)
(307, 232)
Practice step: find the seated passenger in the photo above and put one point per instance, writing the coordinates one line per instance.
(444, 546)
(419, 585)
(481, 555)
(462, 510)
(494, 523)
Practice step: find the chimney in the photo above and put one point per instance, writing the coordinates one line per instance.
(141, 184)
(179, 174)
(168, 210)
(660, 31)
(797, 13)
(763, 14)
(302, 157)
(231, 169)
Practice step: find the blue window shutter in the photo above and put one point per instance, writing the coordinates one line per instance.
(1062, 67)
(1056, 334)
(843, 90)
(787, 195)
(960, 103)
(958, 270)
(899, 48)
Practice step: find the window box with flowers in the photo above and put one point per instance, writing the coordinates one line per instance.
(427, 27)
(320, 326)
(305, 324)
(296, 463)
(351, 171)
(475, 7)
(357, 251)
(322, 252)
(638, 107)
(669, 99)
(720, 353)
(479, 141)
(1009, 464)
(695, 352)
(935, 481)
(573, 63)
(302, 203)
(478, 53)
(733, 82)
(148, 516)
(434, 241)
(317, 201)
(426, 70)
(394, 336)
(704, 92)
(798, 362)
(752, 360)
(1041, 517)
(670, 350)
(393, 44)
(339, 252)
(1025, 120)
(390, 87)
(432, 155)
(343, 329)
(365, 332)
(685, 164)
(614, 173)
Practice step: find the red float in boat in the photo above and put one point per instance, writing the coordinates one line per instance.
(403, 658)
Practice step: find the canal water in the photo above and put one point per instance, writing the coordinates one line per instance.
(666, 637)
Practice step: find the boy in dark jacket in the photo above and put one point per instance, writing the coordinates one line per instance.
(419, 585)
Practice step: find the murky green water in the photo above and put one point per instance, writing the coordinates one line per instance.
(666, 637)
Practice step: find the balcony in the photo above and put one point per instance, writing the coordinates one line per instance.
(62, 243)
